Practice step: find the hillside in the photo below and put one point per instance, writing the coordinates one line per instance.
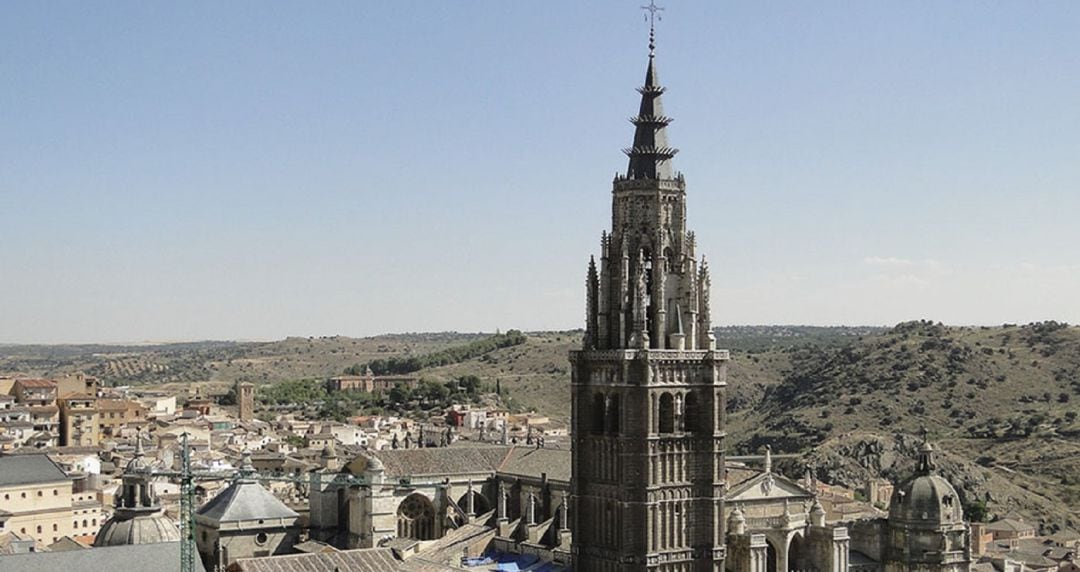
(1001, 403)
(223, 362)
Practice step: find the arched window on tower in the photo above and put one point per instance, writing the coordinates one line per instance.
(613, 414)
(692, 421)
(669, 260)
(666, 413)
(649, 286)
(598, 411)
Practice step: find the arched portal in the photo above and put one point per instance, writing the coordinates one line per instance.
(416, 518)
(770, 556)
(797, 554)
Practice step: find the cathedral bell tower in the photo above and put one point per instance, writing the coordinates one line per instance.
(648, 385)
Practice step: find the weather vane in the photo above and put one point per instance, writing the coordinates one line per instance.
(652, 17)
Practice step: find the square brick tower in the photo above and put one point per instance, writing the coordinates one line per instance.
(245, 398)
(648, 385)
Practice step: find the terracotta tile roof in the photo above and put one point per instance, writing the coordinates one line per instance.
(42, 383)
(78, 397)
(532, 462)
(441, 461)
(738, 475)
(1009, 525)
(363, 560)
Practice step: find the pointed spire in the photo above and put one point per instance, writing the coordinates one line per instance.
(650, 156)
(592, 285)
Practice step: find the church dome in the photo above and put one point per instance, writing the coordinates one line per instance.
(125, 529)
(927, 498)
(138, 518)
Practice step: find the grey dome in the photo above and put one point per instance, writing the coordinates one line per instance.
(148, 528)
(926, 498)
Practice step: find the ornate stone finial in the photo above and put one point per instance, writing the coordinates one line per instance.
(531, 516)
(139, 452)
(817, 513)
(737, 521)
(247, 469)
(768, 458)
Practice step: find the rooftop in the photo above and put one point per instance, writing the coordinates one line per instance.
(364, 560)
(1009, 525)
(161, 557)
(29, 469)
(36, 383)
(245, 500)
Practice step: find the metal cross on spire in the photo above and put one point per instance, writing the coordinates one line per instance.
(652, 17)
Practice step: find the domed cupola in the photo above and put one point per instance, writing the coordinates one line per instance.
(926, 524)
(926, 498)
(139, 518)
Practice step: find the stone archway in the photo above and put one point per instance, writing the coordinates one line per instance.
(771, 556)
(797, 553)
(416, 518)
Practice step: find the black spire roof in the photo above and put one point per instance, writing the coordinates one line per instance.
(650, 156)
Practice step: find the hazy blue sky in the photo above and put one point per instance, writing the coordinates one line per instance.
(260, 169)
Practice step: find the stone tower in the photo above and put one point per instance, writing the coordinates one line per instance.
(648, 385)
(245, 398)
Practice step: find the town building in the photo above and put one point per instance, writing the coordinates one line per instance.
(370, 383)
(117, 415)
(39, 397)
(1010, 530)
(37, 500)
(79, 420)
(74, 383)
